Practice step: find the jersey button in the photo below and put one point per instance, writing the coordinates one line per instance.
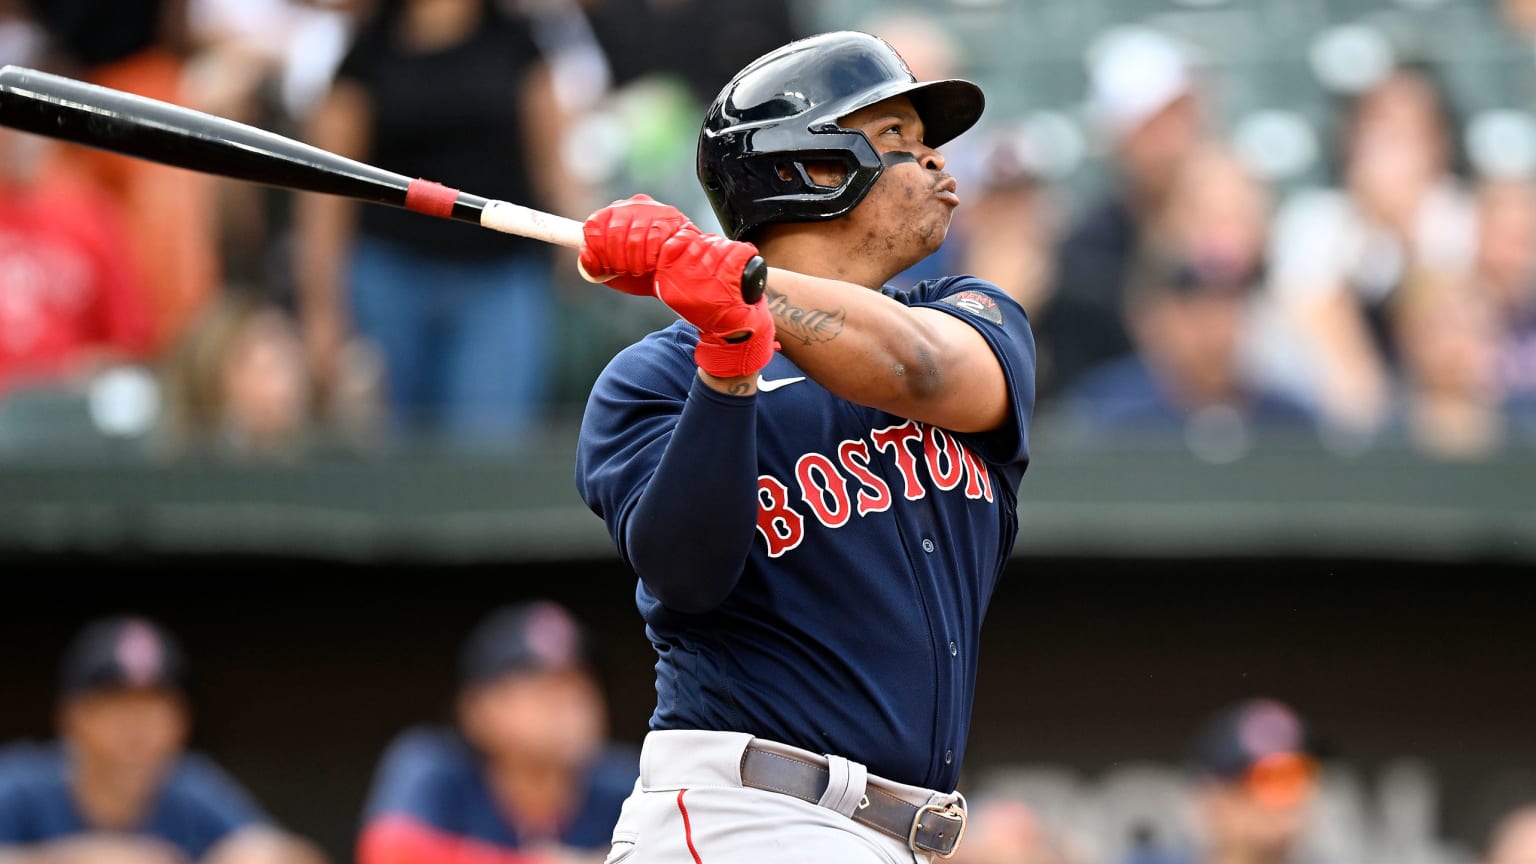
(949, 756)
(927, 545)
(954, 650)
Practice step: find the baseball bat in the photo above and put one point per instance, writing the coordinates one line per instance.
(108, 119)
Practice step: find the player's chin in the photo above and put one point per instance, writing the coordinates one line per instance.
(922, 245)
(933, 233)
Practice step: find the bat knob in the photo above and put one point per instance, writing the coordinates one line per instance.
(589, 277)
(754, 279)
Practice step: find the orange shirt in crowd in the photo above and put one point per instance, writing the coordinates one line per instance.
(170, 214)
(69, 294)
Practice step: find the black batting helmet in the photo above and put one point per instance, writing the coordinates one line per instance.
(782, 111)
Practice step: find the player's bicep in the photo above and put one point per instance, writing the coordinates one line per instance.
(973, 391)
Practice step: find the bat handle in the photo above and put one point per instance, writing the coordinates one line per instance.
(523, 221)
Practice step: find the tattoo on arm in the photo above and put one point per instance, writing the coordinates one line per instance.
(807, 325)
(743, 388)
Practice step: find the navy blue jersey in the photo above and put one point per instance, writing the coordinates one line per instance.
(854, 625)
(197, 807)
(435, 777)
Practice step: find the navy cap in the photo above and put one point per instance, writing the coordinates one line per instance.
(122, 651)
(540, 636)
(1241, 735)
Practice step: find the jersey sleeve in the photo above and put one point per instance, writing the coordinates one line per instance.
(12, 793)
(1002, 322)
(226, 801)
(671, 467)
(35, 805)
(417, 777)
(611, 780)
(221, 805)
(625, 429)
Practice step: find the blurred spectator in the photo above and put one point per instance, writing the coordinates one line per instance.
(171, 222)
(70, 299)
(579, 68)
(264, 63)
(22, 39)
(701, 42)
(1520, 15)
(291, 47)
(1447, 337)
(455, 91)
(1003, 831)
(1514, 838)
(1506, 274)
(1007, 233)
(119, 786)
(1256, 774)
(1190, 288)
(1145, 100)
(525, 775)
(1401, 214)
(237, 384)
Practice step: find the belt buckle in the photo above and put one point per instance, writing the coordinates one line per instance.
(947, 812)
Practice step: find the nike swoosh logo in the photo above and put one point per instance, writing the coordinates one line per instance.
(766, 386)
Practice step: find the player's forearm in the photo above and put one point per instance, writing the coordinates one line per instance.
(324, 224)
(689, 534)
(324, 234)
(870, 349)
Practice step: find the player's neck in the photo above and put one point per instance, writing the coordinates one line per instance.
(537, 794)
(110, 800)
(810, 249)
(433, 26)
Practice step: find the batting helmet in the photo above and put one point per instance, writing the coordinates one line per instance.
(782, 111)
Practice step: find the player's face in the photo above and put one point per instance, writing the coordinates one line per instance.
(906, 215)
(126, 732)
(556, 716)
(1249, 829)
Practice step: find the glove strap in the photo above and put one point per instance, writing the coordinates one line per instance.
(724, 359)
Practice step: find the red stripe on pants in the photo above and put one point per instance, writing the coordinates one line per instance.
(687, 828)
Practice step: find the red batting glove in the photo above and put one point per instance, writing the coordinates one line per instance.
(625, 238)
(699, 276)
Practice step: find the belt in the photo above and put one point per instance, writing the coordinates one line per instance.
(927, 828)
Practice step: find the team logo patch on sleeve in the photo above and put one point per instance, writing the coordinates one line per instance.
(976, 303)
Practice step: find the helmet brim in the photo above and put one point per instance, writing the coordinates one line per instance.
(948, 107)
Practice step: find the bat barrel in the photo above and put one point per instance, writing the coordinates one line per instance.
(107, 119)
(137, 126)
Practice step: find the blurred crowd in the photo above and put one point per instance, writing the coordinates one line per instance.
(518, 767)
(1186, 297)
(522, 774)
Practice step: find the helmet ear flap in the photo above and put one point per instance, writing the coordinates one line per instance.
(782, 185)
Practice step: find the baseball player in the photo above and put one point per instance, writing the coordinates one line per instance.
(524, 775)
(816, 529)
(119, 784)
